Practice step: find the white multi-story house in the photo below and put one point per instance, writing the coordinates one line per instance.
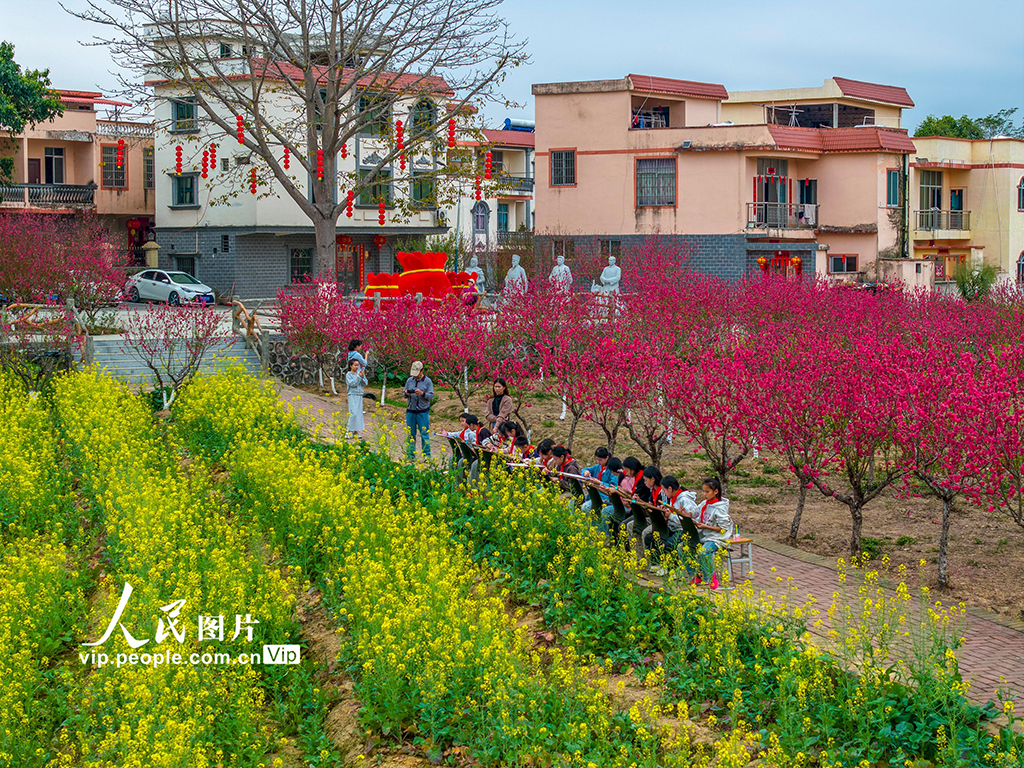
(212, 226)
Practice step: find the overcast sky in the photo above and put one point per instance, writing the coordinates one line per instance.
(952, 56)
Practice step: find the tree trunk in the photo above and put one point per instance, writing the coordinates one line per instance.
(857, 515)
(326, 248)
(572, 432)
(947, 516)
(794, 527)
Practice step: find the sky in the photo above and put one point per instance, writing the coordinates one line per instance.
(953, 57)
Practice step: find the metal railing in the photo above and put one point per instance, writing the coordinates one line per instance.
(782, 215)
(934, 219)
(516, 240)
(513, 182)
(24, 195)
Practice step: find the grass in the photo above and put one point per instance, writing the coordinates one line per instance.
(906, 541)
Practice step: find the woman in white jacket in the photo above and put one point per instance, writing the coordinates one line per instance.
(713, 511)
(355, 380)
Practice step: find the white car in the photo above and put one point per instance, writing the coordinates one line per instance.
(165, 285)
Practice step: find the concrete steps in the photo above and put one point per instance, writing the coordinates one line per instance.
(108, 355)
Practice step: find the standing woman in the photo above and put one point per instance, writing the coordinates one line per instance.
(499, 405)
(355, 380)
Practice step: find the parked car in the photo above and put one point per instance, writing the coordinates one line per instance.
(165, 285)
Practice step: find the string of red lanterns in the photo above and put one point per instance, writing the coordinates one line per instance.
(400, 143)
(206, 164)
(120, 152)
(381, 208)
(320, 164)
(488, 164)
(177, 160)
(287, 158)
(344, 150)
(213, 156)
(252, 181)
(240, 128)
(478, 187)
(451, 133)
(350, 200)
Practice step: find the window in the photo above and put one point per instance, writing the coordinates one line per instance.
(564, 248)
(931, 190)
(809, 191)
(186, 264)
(503, 217)
(611, 248)
(655, 182)
(892, 188)
(422, 117)
(841, 263)
(563, 168)
(183, 116)
(225, 51)
(497, 161)
(375, 118)
(53, 158)
(183, 191)
(1020, 195)
(422, 188)
(301, 264)
(381, 187)
(225, 164)
(481, 217)
(225, 243)
(113, 177)
(148, 168)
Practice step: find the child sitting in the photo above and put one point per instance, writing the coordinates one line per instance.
(712, 511)
(564, 463)
(599, 472)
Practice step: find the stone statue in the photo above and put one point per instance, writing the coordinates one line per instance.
(561, 275)
(478, 274)
(516, 280)
(611, 276)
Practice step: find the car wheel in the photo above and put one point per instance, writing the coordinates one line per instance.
(133, 295)
(174, 299)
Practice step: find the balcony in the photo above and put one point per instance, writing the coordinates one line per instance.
(512, 182)
(47, 195)
(935, 224)
(782, 215)
(515, 241)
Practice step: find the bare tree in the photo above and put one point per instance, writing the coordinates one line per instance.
(342, 68)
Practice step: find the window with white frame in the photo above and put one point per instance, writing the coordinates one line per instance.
(563, 168)
(183, 115)
(183, 191)
(892, 188)
(842, 263)
(112, 176)
(53, 160)
(655, 182)
(148, 168)
(301, 264)
(1020, 195)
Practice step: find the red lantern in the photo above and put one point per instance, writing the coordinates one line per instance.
(349, 202)
(132, 224)
(400, 143)
(320, 164)
(206, 163)
(451, 133)
(213, 157)
(252, 181)
(120, 152)
(379, 241)
(343, 241)
(240, 128)
(762, 262)
(796, 261)
(287, 158)
(488, 165)
(177, 159)
(479, 191)
(344, 150)
(381, 208)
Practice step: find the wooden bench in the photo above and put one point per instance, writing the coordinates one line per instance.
(744, 558)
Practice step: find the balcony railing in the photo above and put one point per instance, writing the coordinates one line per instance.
(514, 183)
(48, 195)
(515, 241)
(782, 215)
(932, 220)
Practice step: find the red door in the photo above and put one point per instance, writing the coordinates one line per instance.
(33, 171)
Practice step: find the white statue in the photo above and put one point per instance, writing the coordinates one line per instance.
(515, 280)
(561, 275)
(478, 274)
(610, 277)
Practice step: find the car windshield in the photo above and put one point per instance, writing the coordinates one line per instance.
(182, 279)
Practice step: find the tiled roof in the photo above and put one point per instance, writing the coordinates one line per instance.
(649, 84)
(866, 139)
(887, 94)
(511, 138)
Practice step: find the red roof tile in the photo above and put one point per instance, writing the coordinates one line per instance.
(649, 84)
(866, 139)
(797, 138)
(511, 138)
(887, 94)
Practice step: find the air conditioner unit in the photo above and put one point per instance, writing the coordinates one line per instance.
(442, 219)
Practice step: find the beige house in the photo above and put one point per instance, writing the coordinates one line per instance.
(68, 165)
(787, 181)
(966, 204)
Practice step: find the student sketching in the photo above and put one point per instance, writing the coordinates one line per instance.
(599, 472)
(674, 504)
(543, 453)
(469, 428)
(712, 511)
(632, 473)
(499, 405)
(502, 441)
(648, 490)
(564, 463)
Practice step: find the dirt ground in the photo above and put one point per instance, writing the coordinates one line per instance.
(986, 562)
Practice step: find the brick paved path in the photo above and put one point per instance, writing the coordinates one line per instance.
(991, 657)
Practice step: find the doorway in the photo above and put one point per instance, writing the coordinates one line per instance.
(34, 171)
(956, 209)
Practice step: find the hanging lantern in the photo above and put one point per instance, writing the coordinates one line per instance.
(240, 128)
(120, 152)
(479, 190)
(349, 202)
(379, 241)
(343, 241)
(796, 261)
(287, 158)
(320, 164)
(488, 158)
(206, 163)
(177, 159)
(213, 157)
(762, 262)
(451, 133)
(252, 181)
(344, 150)
(381, 208)
(400, 143)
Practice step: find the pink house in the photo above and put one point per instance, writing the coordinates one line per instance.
(794, 180)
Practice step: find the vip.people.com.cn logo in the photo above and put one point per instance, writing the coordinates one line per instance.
(172, 626)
